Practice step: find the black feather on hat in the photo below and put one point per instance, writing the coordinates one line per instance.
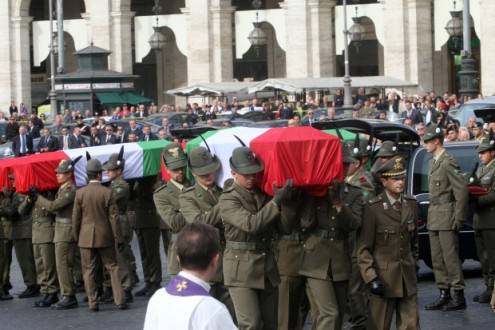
(88, 156)
(240, 141)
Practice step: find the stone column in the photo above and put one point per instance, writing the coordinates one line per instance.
(408, 46)
(487, 47)
(122, 41)
(310, 48)
(6, 77)
(221, 33)
(99, 26)
(20, 60)
(210, 53)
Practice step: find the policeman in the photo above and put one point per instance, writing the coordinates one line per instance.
(166, 199)
(446, 214)
(96, 228)
(43, 247)
(388, 250)
(148, 234)
(120, 195)
(249, 267)
(21, 237)
(199, 203)
(65, 247)
(484, 215)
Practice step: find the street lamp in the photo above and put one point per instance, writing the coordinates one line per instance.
(52, 95)
(157, 42)
(257, 38)
(468, 76)
(347, 76)
(454, 27)
(357, 31)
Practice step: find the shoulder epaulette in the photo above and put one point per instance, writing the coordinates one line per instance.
(409, 197)
(375, 200)
(229, 189)
(188, 189)
(160, 188)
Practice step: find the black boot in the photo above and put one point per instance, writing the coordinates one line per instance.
(5, 295)
(143, 291)
(31, 291)
(107, 296)
(47, 301)
(485, 296)
(442, 300)
(122, 306)
(128, 296)
(67, 302)
(7, 287)
(457, 302)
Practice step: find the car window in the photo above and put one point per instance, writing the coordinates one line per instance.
(466, 156)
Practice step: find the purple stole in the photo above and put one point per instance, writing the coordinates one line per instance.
(183, 287)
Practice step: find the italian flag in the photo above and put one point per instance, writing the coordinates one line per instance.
(310, 157)
(141, 159)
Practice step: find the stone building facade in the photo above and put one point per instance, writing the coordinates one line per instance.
(207, 42)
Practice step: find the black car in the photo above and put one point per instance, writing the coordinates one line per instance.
(418, 169)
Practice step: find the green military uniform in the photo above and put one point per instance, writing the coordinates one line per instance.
(446, 214)
(21, 237)
(483, 223)
(200, 204)
(249, 268)
(326, 261)
(6, 242)
(63, 239)
(43, 248)
(96, 228)
(148, 234)
(387, 254)
(120, 197)
(167, 204)
(4, 260)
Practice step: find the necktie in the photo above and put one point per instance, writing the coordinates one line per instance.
(108, 138)
(147, 138)
(397, 205)
(66, 145)
(23, 144)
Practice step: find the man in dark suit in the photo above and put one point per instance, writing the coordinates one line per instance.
(147, 135)
(141, 112)
(12, 129)
(33, 131)
(22, 144)
(133, 128)
(411, 113)
(75, 139)
(13, 108)
(63, 139)
(109, 137)
(94, 137)
(47, 142)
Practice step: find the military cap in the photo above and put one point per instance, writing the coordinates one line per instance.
(245, 162)
(393, 168)
(387, 149)
(174, 157)
(487, 144)
(202, 162)
(94, 166)
(361, 149)
(65, 166)
(432, 131)
(114, 162)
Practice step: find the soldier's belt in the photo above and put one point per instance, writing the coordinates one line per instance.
(291, 237)
(437, 200)
(65, 221)
(245, 246)
(330, 234)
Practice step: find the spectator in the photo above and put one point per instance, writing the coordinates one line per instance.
(67, 116)
(477, 131)
(47, 142)
(132, 137)
(133, 128)
(420, 129)
(331, 113)
(339, 99)
(408, 122)
(360, 97)
(293, 122)
(191, 118)
(142, 112)
(187, 294)
(23, 110)
(382, 115)
(22, 144)
(285, 112)
(463, 134)
(119, 134)
(13, 110)
(75, 139)
(108, 137)
(452, 133)
(2, 117)
(58, 125)
(63, 140)
(12, 129)
(33, 131)
(430, 114)
(94, 137)
(166, 126)
(411, 113)
(162, 135)
(147, 135)
(309, 120)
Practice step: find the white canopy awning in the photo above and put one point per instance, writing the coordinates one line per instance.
(307, 84)
(211, 89)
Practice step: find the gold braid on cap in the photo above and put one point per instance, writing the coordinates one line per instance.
(397, 170)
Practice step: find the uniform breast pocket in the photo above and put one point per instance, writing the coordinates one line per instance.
(384, 234)
(233, 267)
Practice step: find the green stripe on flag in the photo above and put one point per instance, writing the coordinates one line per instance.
(151, 156)
(346, 135)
